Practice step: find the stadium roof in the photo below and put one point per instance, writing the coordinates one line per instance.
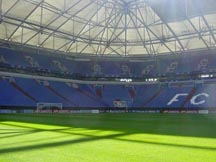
(110, 27)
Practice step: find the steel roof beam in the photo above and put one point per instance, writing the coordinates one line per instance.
(115, 50)
(83, 48)
(45, 27)
(68, 36)
(38, 30)
(208, 26)
(200, 36)
(175, 36)
(11, 7)
(80, 32)
(109, 41)
(62, 46)
(41, 44)
(206, 22)
(107, 22)
(104, 27)
(139, 34)
(9, 38)
(147, 27)
(150, 40)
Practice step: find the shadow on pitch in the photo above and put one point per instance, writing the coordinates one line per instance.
(166, 124)
(88, 138)
(8, 133)
(56, 144)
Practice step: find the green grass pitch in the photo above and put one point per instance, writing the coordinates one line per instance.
(107, 138)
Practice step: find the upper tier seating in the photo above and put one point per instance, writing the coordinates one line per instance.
(120, 68)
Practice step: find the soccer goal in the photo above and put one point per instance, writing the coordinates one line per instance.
(120, 104)
(48, 107)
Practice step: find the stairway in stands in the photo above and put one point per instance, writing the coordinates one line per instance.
(132, 93)
(59, 95)
(13, 83)
(153, 97)
(99, 99)
(190, 95)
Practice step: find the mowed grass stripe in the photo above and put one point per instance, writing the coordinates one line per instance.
(107, 137)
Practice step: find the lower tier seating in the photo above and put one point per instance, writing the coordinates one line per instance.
(28, 92)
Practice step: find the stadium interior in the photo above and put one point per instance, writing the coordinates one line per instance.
(108, 54)
(107, 80)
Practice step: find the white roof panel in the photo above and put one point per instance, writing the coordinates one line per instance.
(100, 27)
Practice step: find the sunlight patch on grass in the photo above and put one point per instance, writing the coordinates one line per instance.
(39, 142)
(180, 141)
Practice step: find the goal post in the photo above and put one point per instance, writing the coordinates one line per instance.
(48, 107)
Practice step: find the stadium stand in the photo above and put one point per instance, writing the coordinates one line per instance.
(28, 92)
(12, 95)
(167, 65)
(169, 92)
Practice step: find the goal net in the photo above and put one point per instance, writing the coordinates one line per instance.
(48, 107)
(120, 104)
